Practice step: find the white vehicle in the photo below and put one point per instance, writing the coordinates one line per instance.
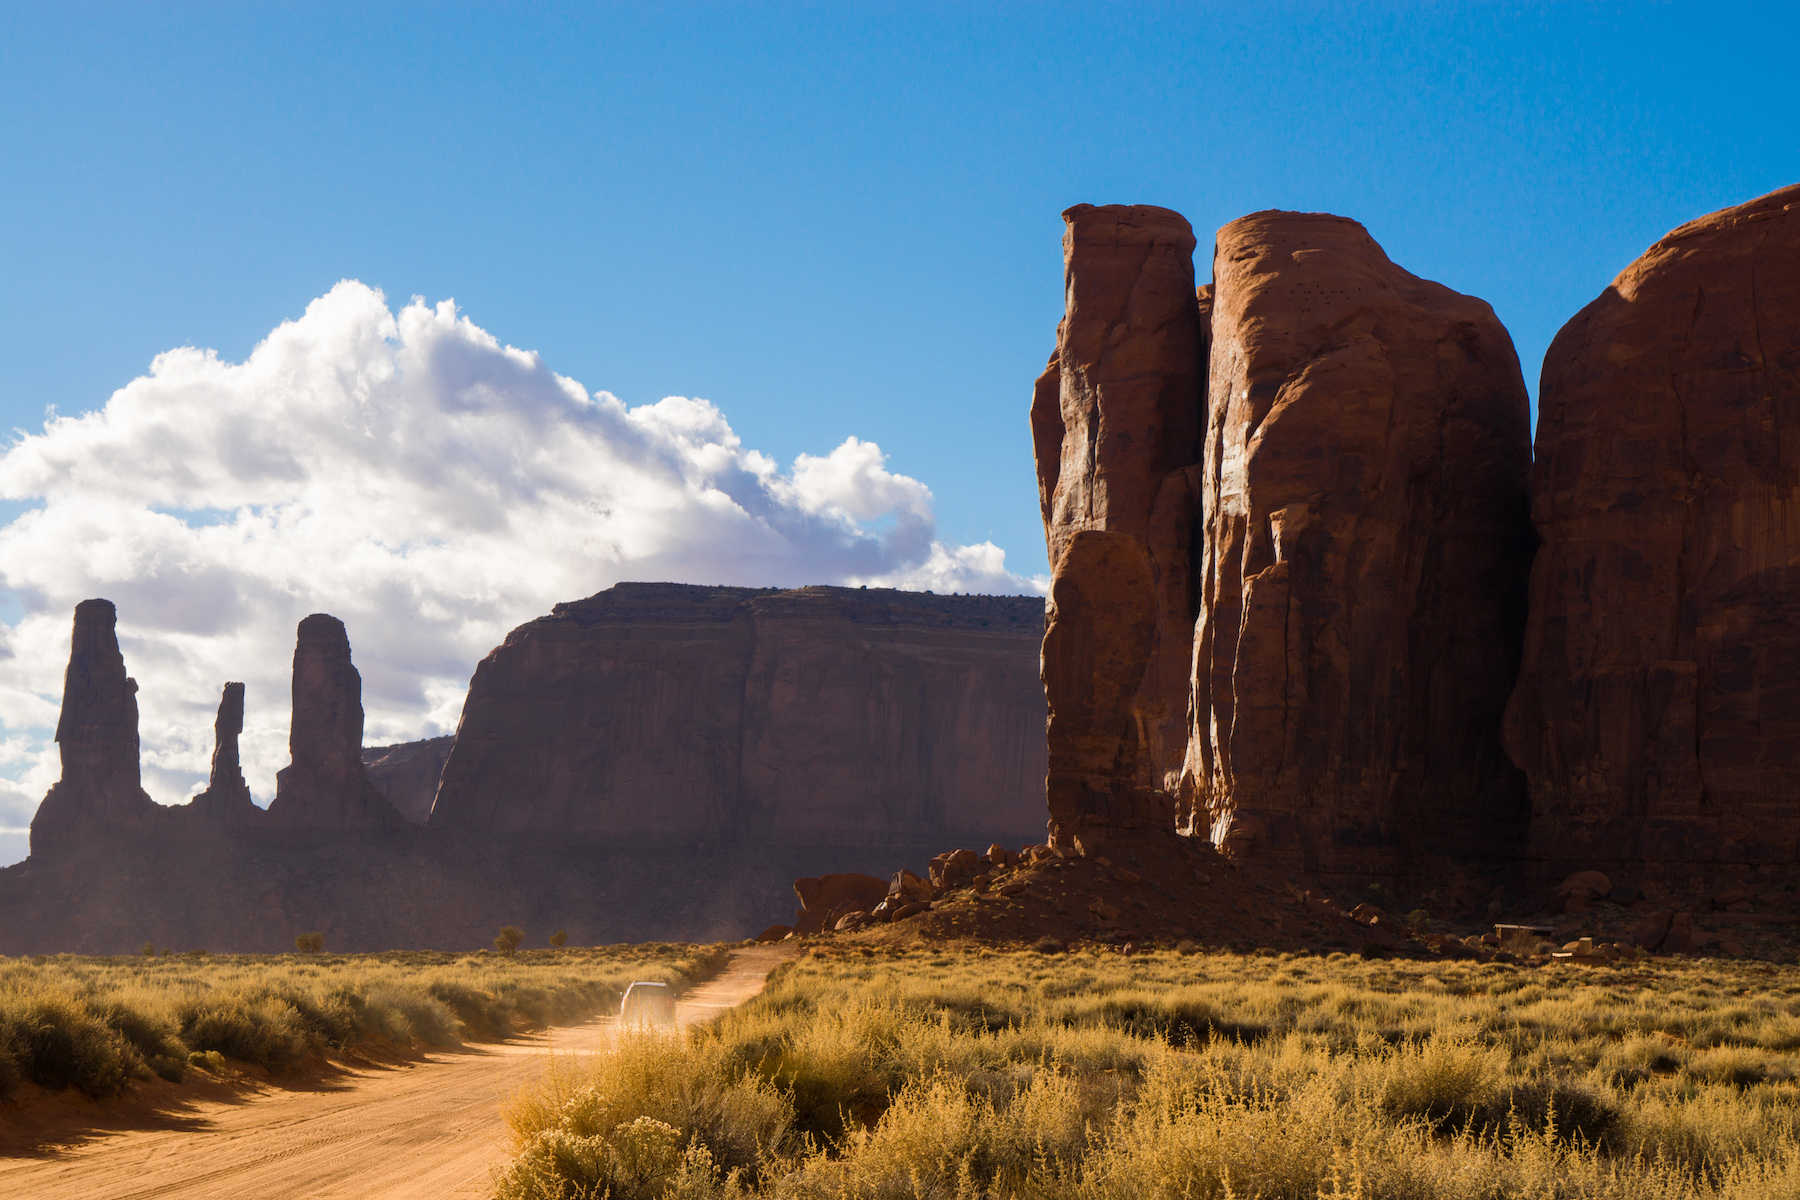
(647, 1003)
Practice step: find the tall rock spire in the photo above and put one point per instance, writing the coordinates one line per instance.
(325, 786)
(227, 796)
(101, 788)
(1116, 420)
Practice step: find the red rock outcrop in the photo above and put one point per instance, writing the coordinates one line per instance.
(1364, 555)
(1657, 713)
(325, 787)
(828, 899)
(713, 714)
(407, 773)
(100, 792)
(1115, 422)
(226, 799)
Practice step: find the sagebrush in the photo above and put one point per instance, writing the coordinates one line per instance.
(997, 1074)
(97, 1023)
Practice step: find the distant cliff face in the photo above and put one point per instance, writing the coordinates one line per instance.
(407, 773)
(703, 713)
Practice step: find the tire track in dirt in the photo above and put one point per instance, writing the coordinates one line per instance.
(427, 1129)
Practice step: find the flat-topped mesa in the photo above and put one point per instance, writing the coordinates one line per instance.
(101, 788)
(1658, 712)
(324, 787)
(1364, 555)
(226, 799)
(1116, 420)
(820, 715)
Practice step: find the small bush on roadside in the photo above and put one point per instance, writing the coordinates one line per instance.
(96, 1024)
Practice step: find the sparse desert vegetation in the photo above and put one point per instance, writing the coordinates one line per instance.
(98, 1023)
(988, 1073)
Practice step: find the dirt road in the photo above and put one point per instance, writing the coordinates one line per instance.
(426, 1129)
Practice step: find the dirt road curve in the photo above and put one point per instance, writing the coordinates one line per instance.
(429, 1129)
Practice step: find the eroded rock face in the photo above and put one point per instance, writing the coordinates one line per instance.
(1658, 708)
(325, 787)
(1116, 420)
(227, 797)
(1364, 554)
(100, 791)
(708, 714)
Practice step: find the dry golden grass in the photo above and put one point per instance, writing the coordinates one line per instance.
(994, 1074)
(98, 1023)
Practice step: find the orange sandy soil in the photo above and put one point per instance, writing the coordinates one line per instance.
(368, 1126)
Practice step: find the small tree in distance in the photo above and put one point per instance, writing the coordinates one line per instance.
(310, 943)
(508, 939)
(148, 950)
(559, 939)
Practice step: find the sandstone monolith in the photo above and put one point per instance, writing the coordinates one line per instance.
(226, 799)
(325, 787)
(1363, 556)
(101, 790)
(1657, 712)
(1116, 420)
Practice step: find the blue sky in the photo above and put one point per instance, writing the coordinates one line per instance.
(829, 220)
(838, 224)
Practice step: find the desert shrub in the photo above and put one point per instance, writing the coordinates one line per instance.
(54, 1040)
(310, 943)
(999, 1075)
(98, 1023)
(559, 939)
(631, 1121)
(508, 939)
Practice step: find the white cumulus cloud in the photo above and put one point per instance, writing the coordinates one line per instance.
(429, 486)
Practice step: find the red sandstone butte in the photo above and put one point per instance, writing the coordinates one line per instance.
(1115, 421)
(1365, 548)
(325, 787)
(101, 790)
(1657, 713)
(821, 715)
